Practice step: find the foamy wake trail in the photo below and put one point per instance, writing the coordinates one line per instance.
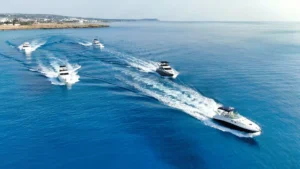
(52, 71)
(179, 97)
(20, 47)
(35, 44)
(85, 43)
(143, 65)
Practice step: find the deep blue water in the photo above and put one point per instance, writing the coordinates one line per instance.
(121, 114)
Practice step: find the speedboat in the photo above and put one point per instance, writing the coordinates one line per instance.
(96, 42)
(231, 118)
(64, 75)
(164, 69)
(26, 47)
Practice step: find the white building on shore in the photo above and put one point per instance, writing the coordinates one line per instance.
(2, 20)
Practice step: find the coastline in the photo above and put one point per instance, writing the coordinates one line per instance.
(51, 26)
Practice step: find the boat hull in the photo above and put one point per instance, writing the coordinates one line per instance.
(27, 49)
(98, 45)
(164, 73)
(66, 80)
(232, 126)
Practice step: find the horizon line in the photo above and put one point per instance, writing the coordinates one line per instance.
(145, 18)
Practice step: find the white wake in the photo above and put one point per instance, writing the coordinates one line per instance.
(52, 71)
(85, 43)
(170, 93)
(143, 65)
(34, 45)
(179, 97)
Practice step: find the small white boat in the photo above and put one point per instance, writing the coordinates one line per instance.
(232, 119)
(26, 47)
(64, 75)
(165, 69)
(96, 42)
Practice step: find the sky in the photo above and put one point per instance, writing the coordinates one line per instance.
(169, 10)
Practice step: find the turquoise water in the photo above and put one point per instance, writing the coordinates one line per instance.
(119, 113)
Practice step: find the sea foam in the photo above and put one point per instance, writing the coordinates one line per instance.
(52, 71)
(180, 97)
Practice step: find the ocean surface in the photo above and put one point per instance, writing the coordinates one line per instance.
(119, 113)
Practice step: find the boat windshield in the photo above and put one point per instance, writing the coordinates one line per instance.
(232, 114)
(167, 68)
(26, 44)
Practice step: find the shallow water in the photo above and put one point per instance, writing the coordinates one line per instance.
(120, 113)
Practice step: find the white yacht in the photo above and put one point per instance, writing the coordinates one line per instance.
(165, 69)
(96, 42)
(230, 117)
(64, 75)
(26, 47)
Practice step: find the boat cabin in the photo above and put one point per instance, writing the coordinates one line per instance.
(229, 112)
(164, 63)
(65, 73)
(26, 44)
(63, 70)
(227, 109)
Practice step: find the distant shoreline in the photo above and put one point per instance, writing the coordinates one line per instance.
(51, 26)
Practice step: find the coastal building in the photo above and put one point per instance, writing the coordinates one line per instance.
(2, 20)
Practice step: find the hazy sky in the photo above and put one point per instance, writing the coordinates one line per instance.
(181, 10)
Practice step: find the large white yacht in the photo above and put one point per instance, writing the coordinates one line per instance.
(64, 75)
(230, 117)
(96, 42)
(164, 69)
(26, 47)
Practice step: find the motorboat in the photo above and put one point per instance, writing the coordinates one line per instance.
(164, 69)
(96, 42)
(64, 75)
(232, 119)
(26, 47)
